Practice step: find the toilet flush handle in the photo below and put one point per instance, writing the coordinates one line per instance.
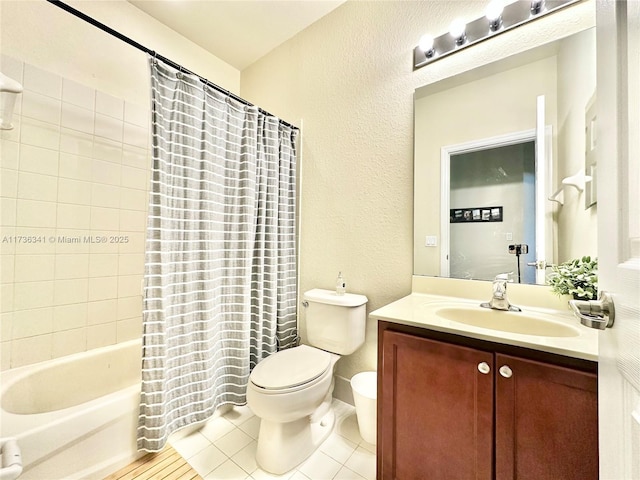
(305, 304)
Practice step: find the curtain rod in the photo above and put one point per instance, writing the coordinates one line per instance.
(141, 47)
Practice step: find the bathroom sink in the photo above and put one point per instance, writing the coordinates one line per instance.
(514, 322)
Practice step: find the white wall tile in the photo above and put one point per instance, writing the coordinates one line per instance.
(31, 268)
(134, 199)
(137, 114)
(129, 285)
(28, 295)
(7, 291)
(74, 191)
(71, 241)
(103, 265)
(77, 118)
(75, 142)
(41, 107)
(109, 105)
(101, 335)
(14, 134)
(129, 307)
(30, 350)
(42, 81)
(8, 212)
(103, 288)
(6, 326)
(78, 94)
(9, 154)
(129, 329)
(71, 266)
(34, 186)
(74, 216)
(134, 177)
(135, 157)
(71, 291)
(8, 183)
(131, 263)
(109, 127)
(7, 267)
(43, 242)
(105, 195)
(136, 136)
(67, 317)
(108, 150)
(39, 134)
(102, 311)
(105, 172)
(133, 221)
(33, 213)
(75, 167)
(68, 342)
(105, 221)
(135, 244)
(38, 160)
(36, 321)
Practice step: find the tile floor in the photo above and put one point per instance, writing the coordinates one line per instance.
(225, 447)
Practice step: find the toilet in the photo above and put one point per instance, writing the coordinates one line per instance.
(291, 390)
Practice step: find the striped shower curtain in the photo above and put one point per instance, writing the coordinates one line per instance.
(220, 265)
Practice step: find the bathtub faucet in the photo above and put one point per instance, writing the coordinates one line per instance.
(499, 299)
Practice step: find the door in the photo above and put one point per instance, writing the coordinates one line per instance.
(436, 410)
(618, 153)
(546, 421)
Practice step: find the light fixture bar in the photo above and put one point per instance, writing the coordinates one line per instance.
(513, 15)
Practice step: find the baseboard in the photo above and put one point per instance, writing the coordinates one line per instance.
(342, 390)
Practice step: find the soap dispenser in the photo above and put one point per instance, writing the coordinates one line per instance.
(341, 286)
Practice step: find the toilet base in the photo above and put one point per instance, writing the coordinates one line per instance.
(283, 446)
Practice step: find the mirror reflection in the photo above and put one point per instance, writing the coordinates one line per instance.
(492, 148)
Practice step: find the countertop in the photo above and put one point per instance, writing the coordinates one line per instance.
(419, 310)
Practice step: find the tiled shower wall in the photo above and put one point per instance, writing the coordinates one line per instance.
(75, 178)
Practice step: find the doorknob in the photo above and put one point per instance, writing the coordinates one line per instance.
(598, 314)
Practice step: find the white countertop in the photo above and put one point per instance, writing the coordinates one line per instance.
(418, 310)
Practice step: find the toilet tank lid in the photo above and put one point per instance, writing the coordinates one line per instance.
(332, 298)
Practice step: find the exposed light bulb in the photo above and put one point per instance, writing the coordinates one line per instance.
(457, 31)
(426, 45)
(493, 13)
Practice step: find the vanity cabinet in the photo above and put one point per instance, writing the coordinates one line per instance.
(457, 408)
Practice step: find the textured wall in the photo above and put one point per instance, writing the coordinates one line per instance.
(348, 81)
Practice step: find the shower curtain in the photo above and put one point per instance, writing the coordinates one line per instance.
(220, 265)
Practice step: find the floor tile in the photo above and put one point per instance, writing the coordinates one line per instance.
(363, 463)
(346, 474)
(217, 428)
(260, 474)
(347, 426)
(227, 471)
(233, 442)
(320, 466)
(338, 447)
(207, 460)
(246, 457)
(190, 445)
(251, 427)
(239, 414)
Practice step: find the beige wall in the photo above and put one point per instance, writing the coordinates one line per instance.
(348, 81)
(76, 165)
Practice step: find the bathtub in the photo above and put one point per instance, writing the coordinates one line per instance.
(74, 417)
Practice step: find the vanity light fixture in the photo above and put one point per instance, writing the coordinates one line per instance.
(493, 13)
(499, 17)
(457, 32)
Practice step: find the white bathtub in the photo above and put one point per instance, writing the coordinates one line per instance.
(74, 417)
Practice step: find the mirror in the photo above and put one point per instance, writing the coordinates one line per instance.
(499, 165)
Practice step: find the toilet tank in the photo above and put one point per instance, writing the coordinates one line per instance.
(335, 323)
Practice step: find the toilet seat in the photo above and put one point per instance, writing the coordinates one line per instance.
(290, 368)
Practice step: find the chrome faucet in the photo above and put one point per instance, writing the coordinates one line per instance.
(499, 299)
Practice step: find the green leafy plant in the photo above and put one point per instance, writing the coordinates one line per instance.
(578, 278)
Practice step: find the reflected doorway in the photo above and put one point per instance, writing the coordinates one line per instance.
(492, 197)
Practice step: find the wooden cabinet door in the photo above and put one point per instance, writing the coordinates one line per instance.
(546, 422)
(436, 412)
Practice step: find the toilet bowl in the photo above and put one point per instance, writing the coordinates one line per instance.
(291, 390)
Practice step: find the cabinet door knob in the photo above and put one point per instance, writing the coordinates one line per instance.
(505, 371)
(484, 368)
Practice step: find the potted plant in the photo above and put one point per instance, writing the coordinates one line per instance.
(578, 278)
